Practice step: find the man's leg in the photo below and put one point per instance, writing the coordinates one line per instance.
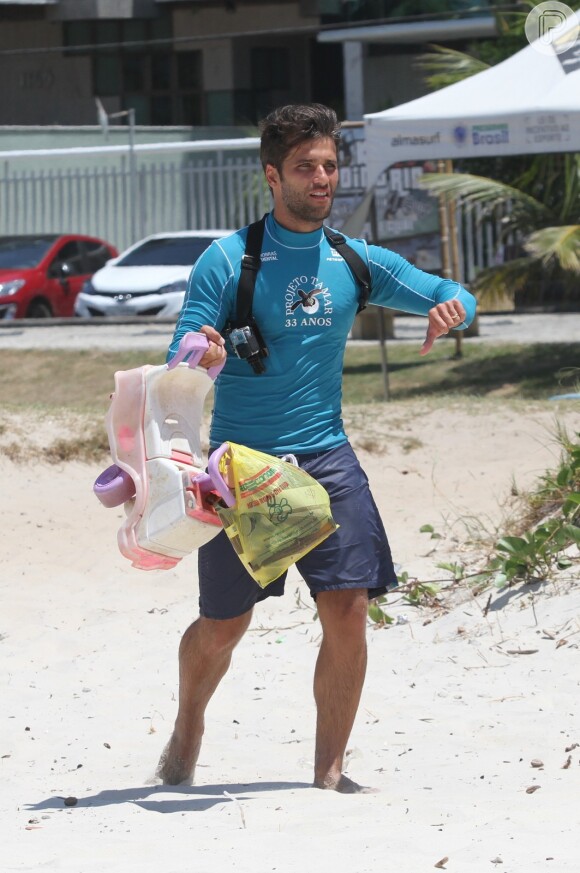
(205, 653)
(338, 682)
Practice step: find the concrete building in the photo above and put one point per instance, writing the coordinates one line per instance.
(225, 62)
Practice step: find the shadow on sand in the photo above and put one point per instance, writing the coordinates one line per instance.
(182, 798)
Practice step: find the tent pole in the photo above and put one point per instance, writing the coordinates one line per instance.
(381, 312)
(444, 229)
(384, 362)
(453, 233)
(454, 246)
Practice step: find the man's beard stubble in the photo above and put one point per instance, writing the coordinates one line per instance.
(305, 211)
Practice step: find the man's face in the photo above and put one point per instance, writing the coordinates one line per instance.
(304, 188)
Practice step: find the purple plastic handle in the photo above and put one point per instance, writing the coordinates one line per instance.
(114, 486)
(192, 348)
(219, 483)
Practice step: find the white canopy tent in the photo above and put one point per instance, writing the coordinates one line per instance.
(527, 104)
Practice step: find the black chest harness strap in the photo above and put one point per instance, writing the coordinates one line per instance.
(243, 333)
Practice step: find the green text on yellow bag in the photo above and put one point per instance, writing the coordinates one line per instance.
(280, 511)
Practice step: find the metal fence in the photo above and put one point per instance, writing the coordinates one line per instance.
(482, 239)
(123, 204)
(126, 195)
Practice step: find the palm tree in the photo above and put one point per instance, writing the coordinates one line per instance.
(542, 213)
(443, 65)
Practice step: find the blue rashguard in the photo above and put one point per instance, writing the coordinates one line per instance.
(295, 406)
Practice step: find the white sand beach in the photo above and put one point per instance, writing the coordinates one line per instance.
(469, 721)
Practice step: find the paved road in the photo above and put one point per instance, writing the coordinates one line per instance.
(79, 334)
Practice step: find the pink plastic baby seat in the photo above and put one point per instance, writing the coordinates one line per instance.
(153, 425)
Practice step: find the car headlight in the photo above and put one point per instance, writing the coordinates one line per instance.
(7, 289)
(174, 287)
(88, 288)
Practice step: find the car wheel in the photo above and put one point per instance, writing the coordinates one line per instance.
(39, 309)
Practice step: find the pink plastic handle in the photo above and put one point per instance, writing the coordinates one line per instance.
(216, 477)
(192, 348)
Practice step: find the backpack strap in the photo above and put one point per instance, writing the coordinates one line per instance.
(358, 267)
(243, 332)
(251, 263)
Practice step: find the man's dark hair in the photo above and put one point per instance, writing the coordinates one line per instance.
(285, 128)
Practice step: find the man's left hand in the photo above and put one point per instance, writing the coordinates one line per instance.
(442, 318)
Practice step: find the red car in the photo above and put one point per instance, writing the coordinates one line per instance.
(41, 274)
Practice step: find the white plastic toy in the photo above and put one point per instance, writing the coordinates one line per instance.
(154, 429)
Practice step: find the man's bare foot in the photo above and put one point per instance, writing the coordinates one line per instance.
(172, 768)
(343, 785)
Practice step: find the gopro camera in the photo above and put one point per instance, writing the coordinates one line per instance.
(249, 346)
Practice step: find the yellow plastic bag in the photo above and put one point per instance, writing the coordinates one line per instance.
(280, 514)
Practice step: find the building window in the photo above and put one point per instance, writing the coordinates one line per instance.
(335, 11)
(163, 86)
(270, 68)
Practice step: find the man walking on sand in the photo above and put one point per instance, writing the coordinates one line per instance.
(305, 302)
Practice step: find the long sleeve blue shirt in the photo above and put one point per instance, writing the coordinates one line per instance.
(305, 302)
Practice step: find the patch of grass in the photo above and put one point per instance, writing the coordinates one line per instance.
(511, 370)
(549, 536)
(541, 538)
(60, 379)
(539, 544)
(54, 383)
(56, 437)
(83, 380)
(91, 446)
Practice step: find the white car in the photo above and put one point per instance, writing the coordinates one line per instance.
(147, 279)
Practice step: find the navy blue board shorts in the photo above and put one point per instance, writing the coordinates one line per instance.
(357, 555)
